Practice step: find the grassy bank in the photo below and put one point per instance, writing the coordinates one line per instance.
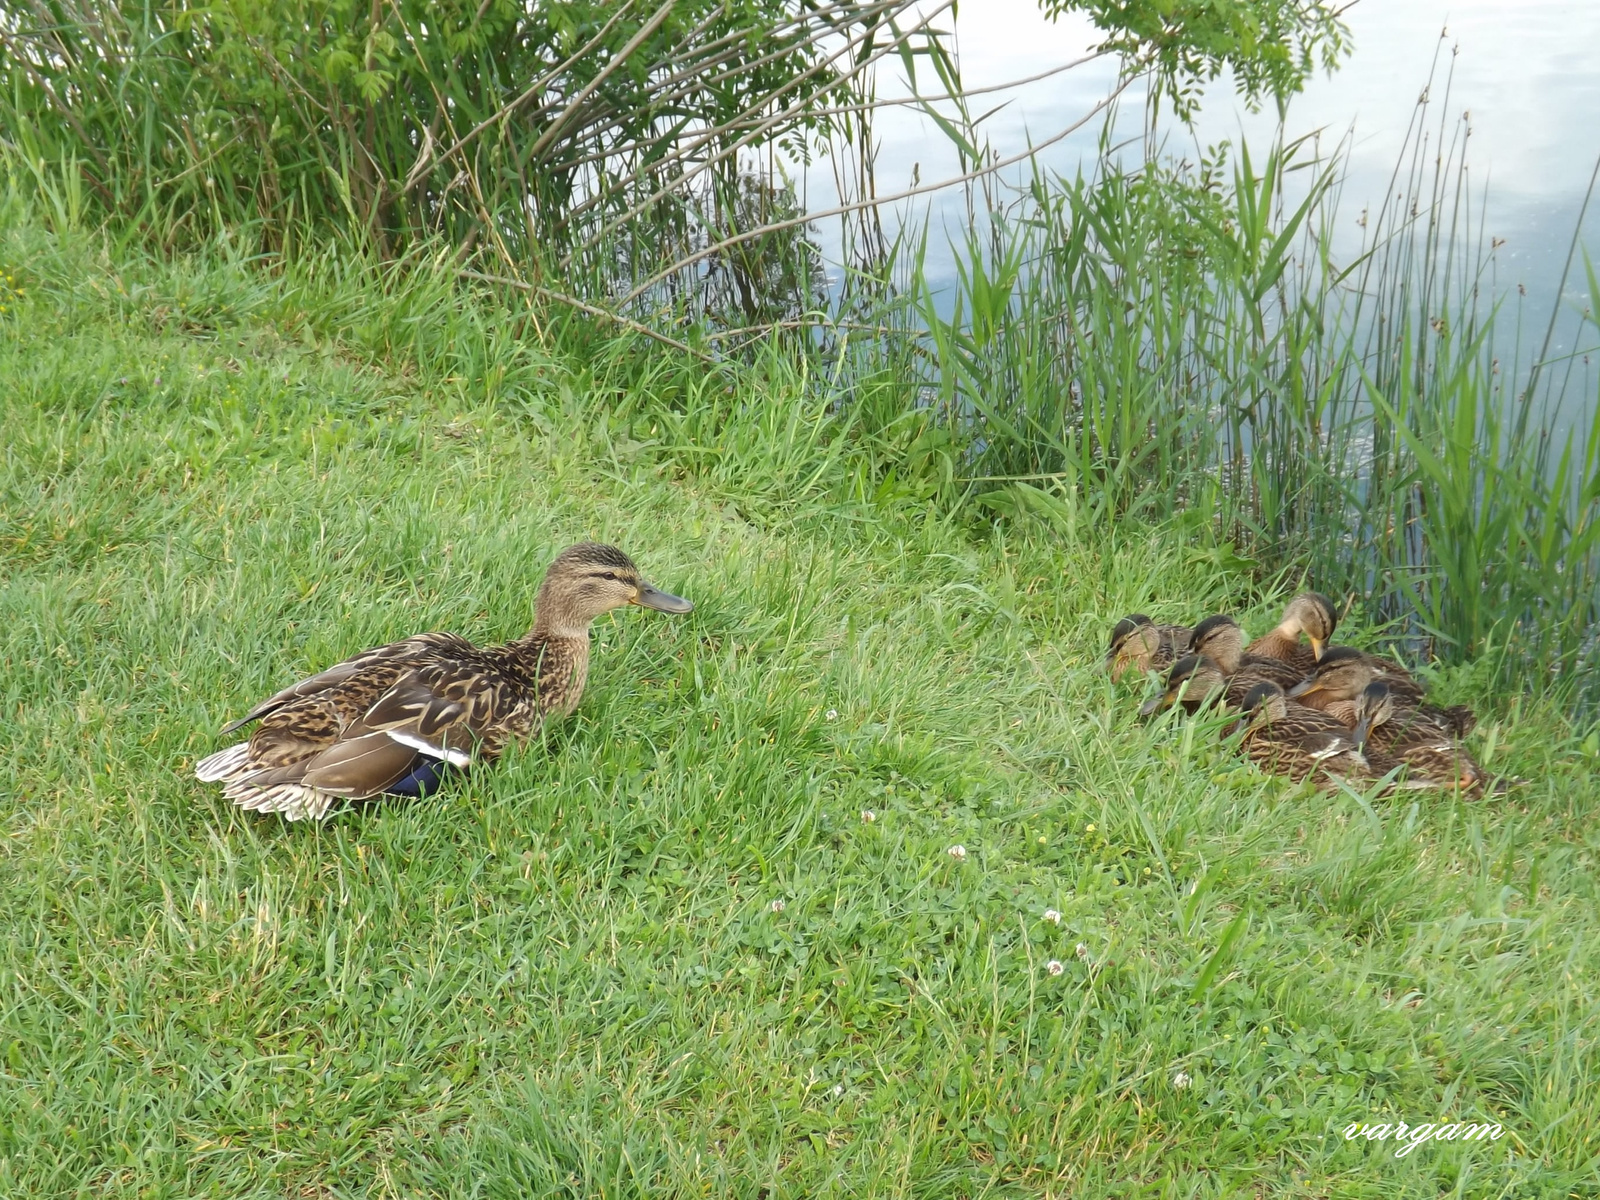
(567, 975)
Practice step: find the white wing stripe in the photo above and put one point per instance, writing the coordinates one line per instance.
(456, 758)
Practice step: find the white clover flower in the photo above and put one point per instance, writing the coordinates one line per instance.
(868, 816)
(958, 852)
(1055, 966)
(1180, 1081)
(838, 1089)
(832, 714)
(778, 906)
(1052, 916)
(1081, 951)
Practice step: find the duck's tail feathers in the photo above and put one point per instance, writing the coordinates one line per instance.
(294, 801)
(223, 764)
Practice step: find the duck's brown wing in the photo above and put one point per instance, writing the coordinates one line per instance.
(436, 712)
(439, 711)
(1415, 725)
(1172, 643)
(1175, 639)
(1254, 671)
(1300, 753)
(361, 727)
(337, 677)
(1299, 656)
(1276, 670)
(1317, 721)
(1302, 659)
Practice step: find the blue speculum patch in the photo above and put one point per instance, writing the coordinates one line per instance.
(426, 776)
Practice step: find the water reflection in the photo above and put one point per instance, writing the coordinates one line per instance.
(1525, 71)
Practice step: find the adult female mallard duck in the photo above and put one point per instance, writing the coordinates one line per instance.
(1192, 682)
(394, 719)
(1310, 613)
(1139, 644)
(1345, 671)
(1285, 738)
(1391, 734)
(1221, 640)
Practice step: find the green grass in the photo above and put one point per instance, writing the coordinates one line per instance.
(565, 976)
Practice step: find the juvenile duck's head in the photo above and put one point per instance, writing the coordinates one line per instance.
(1310, 613)
(1220, 639)
(588, 580)
(1133, 638)
(1264, 704)
(1193, 677)
(1374, 706)
(1342, 673)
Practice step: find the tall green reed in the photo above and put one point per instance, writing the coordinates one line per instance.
(1178, 339)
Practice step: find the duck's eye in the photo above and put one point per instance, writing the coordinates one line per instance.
(611, 575)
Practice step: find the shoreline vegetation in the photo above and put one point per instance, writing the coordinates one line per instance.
(278, 392)
(1153, 339)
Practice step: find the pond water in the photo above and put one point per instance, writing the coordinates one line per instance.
(1526, 71)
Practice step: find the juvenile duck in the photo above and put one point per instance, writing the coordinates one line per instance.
(1391, 734)
(1310, 613)
(396, 718)
(1193, 681)
(1344, 671)
(1285, 738)
(1221, 640)
(1139, 644)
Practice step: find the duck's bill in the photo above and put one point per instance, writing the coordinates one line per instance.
(1359, 734)
(1304, 688)
(666, 602)
(1317, 646)
(1153, 705)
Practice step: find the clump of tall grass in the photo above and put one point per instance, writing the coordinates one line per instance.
(1181, 338)
(576, 146)
(623, 156)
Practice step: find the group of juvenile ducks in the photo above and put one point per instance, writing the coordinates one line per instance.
(1315, 711)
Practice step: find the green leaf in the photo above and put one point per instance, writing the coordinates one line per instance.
(1221, 955)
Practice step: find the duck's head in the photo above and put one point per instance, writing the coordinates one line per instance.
(1310, 613)
(1263, 704)
(1374, 706)
(1220, 639)
(1134, 637)
(1342, 673)
(590, 579)
(1193, 679)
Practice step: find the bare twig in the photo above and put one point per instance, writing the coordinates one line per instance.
(426, 161)
(638, 39)
(797, 323)
(594, 310)
(922, 190)
(786, 114)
